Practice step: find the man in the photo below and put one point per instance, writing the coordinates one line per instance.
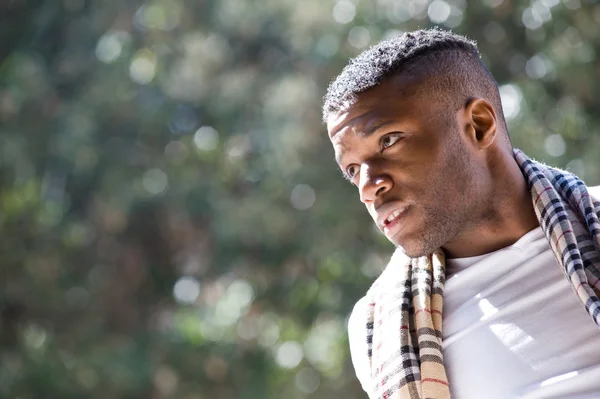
(416, 123)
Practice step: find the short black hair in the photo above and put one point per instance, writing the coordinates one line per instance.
(452, 61)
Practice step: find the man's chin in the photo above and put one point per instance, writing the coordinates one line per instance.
(416, 240)
(412, 249)
(411, 253)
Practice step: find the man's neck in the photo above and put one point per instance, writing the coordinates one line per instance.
(508, 216)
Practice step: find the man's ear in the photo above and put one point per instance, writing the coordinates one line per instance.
(480, 120)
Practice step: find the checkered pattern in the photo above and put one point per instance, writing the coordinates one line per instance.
(404, 314)
(569, 217)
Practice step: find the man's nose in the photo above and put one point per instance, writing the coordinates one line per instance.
(373, 182)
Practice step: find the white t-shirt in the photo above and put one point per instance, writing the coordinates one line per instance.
(513, 327)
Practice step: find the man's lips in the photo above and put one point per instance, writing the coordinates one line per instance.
(394, 222)
(389, 214)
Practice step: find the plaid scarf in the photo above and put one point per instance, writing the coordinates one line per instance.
(404, 313)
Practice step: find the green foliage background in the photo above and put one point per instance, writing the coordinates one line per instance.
(172, 222)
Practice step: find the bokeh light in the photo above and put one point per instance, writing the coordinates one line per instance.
(186, 290)
(173, 222)
(344, 11)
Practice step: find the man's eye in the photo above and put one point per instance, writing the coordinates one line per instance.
(351, 171)
(390, 139)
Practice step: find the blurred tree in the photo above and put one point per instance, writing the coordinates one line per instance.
(172, 221)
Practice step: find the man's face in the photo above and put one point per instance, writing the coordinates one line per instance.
(406, 154)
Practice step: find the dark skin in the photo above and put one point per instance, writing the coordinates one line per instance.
(450, 173)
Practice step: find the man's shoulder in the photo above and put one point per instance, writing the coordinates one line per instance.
(357, 338)
(393, 274)
(595, 192)
(358, 316)
(357, 329)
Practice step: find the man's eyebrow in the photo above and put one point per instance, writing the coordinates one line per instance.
(365, 134)
(375, 127)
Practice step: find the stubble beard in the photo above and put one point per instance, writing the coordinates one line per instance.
(438, 229)
(442, 223)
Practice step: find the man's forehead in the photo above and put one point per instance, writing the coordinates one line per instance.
(362, 122)
(352, 116)
(389, 97)
(339, 124)
(335, 121)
